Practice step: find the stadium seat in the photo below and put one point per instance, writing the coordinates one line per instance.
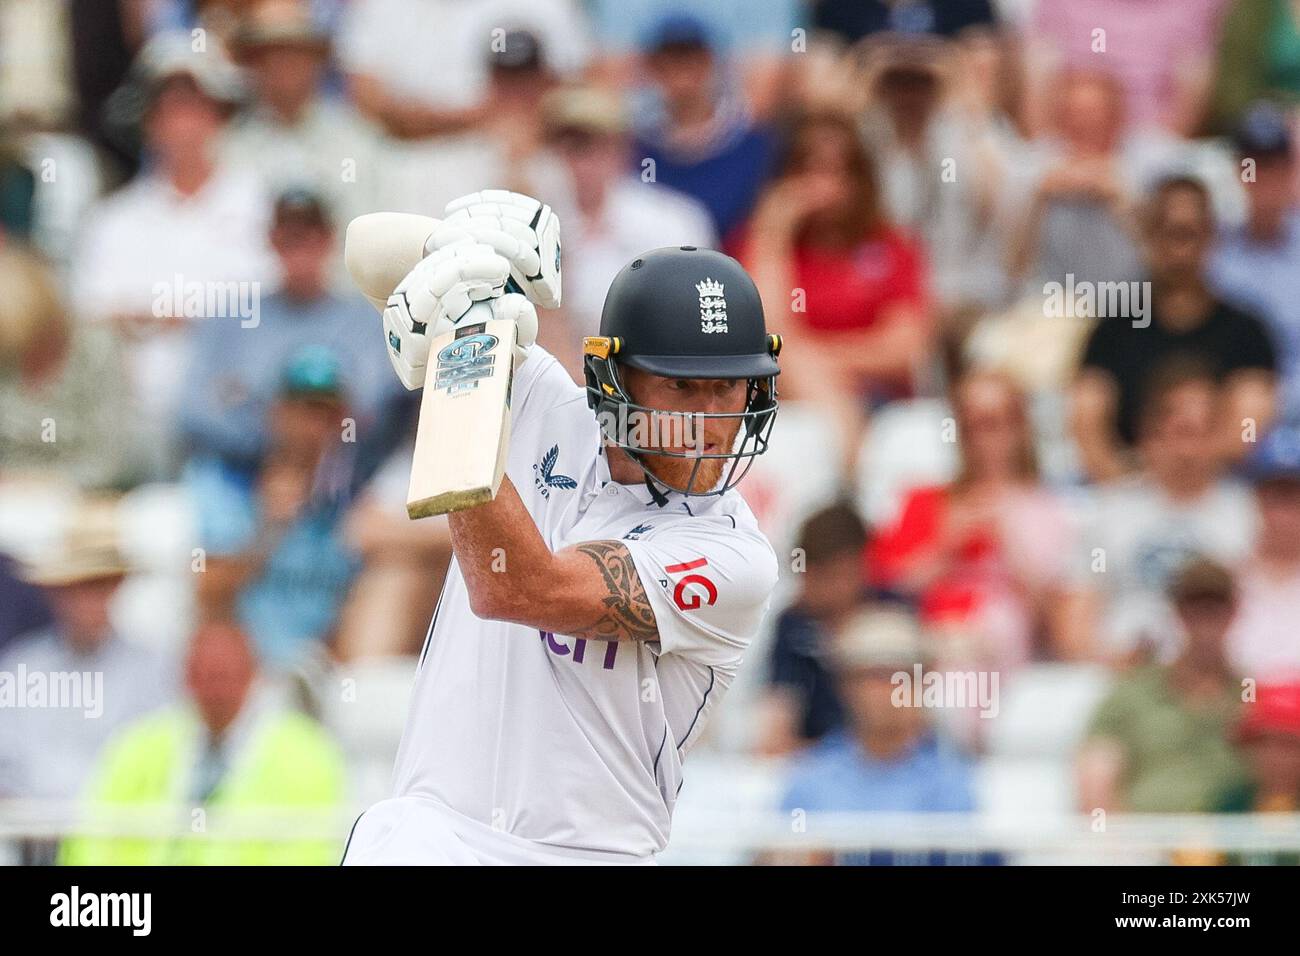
(904, 448)
(156, 533)
(366, 714)
(1045, 710)
(796, 475)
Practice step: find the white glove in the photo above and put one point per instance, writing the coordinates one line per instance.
(518, 227)
(439, 293)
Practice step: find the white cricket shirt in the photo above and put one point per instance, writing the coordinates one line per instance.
(579, 743)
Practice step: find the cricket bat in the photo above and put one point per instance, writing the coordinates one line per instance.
(464, 427)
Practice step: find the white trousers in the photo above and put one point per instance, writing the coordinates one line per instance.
(412, 831)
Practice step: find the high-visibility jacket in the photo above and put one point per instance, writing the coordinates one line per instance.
(284, 762)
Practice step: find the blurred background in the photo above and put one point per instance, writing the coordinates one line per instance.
(1037, 267)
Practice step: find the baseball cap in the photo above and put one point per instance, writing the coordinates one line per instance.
(521, 50)
(677, 31)
(312, 372)
(1263, 131)
(299, 205)
(1277, 457)
(1275, 710)
(170, 55)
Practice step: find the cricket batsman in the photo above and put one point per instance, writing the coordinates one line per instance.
(597, 609)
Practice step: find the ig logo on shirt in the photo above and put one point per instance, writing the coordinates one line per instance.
(693, 590)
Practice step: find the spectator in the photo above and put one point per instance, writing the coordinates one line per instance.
(1181, 503)
(1077, 220)
(64, 398)
(23, 608)
(854, 19)
(803, 704)
(95, 680)
(103, 39)
(504, 147)
(702, 139)
(753, 38)
(1264, 643)
(609, 215)
(292, 134)
(1183, 318)
(1161, 52)
(888, 759)
(985, 555)
(226, 749)
(275, 558)
(844, 287)
(1159, 741)
(384, 46)
(403, 566)
(236, 371)
(17, 189)
(1269, 732)
(184, 241)
(1256, 265)
(1258, 58)
(941, 172)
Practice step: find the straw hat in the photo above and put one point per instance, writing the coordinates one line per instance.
(87, 551)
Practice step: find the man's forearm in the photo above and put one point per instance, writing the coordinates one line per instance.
(591, 590)
(500, 552)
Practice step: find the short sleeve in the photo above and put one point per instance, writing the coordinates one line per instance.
(540, 386)
(709, 585)
(1253, 349)
(1103, 343)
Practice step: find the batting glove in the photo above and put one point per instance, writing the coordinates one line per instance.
(526, 232)
(439, 293)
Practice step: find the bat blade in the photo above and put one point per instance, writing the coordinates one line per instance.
(464, 427)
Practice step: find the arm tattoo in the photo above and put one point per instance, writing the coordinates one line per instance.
(627, 614)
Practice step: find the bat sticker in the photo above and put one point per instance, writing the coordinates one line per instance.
(464, 361)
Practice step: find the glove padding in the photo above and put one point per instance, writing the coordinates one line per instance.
(439, 293)
(526, 232)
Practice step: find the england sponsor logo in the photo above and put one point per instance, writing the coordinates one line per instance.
(713, 307)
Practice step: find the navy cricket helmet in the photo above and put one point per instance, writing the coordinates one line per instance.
(684, 312)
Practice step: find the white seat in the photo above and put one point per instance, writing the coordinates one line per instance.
(1011, 788)
(367, 709)
(796, 475)
(157, 528)
(1045, 710)
(904, 448)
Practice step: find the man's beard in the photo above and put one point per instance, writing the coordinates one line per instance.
(677, 472)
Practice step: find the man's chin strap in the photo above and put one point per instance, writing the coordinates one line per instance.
(659, 497)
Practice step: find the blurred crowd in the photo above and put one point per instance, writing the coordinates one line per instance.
(1036, 264)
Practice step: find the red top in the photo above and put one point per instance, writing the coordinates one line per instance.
(851, 289)
(917, 531)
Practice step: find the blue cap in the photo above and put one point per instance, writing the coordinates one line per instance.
(312, 371)
(1277, 457)
(1264, 131)
(680, 29)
